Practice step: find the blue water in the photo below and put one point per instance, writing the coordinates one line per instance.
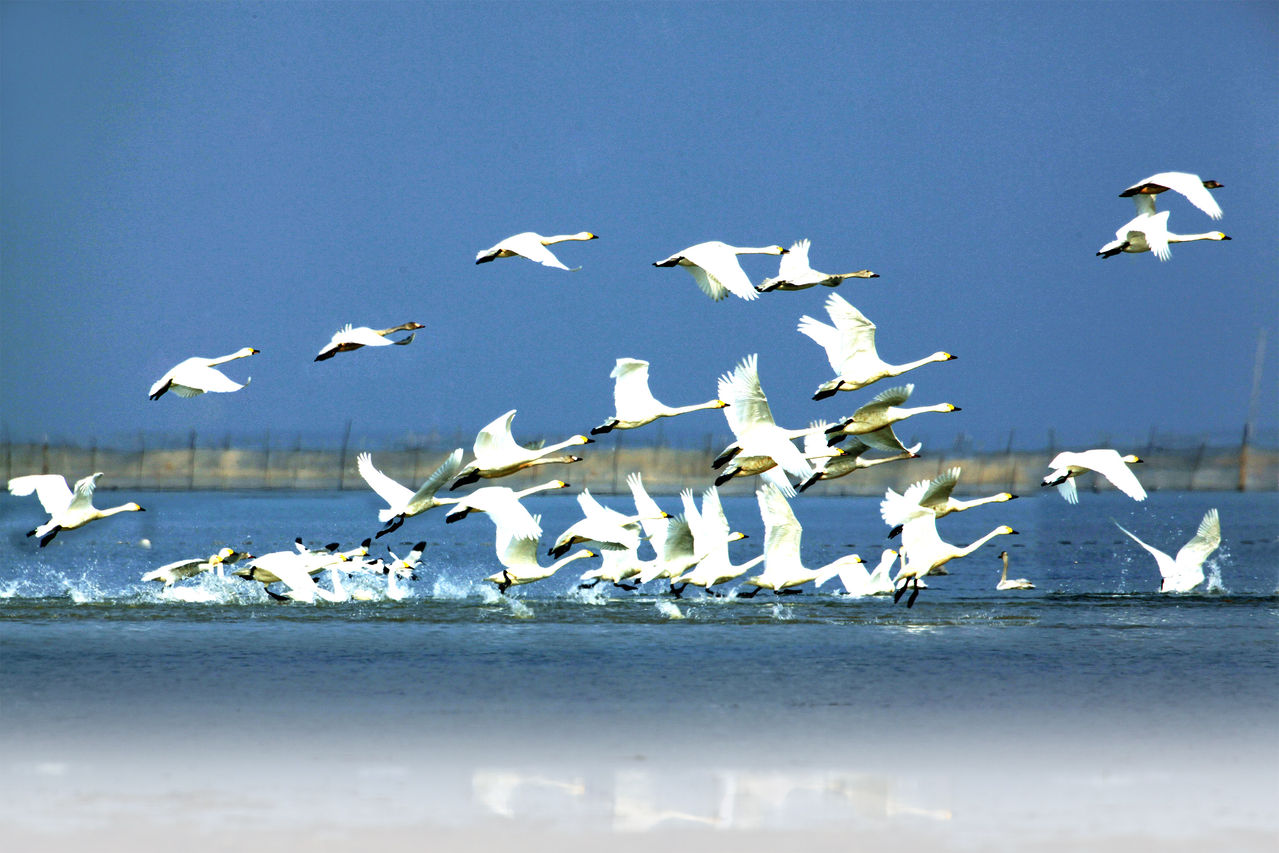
(1094, 656)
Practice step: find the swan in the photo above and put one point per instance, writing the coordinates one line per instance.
(1191, 186)
(796, 274)
(497, 454)
(930, 496)
(503, 504)
(751, 420)
(599, 524)
(652, 518)
(784, 570)
(1015, 583)
(518, 556)
(294, 570)
(635, 404)
(67, 509)
(827, 467)
(402, 502)
(923, 552)
(1068, 465)
(711, 535)
(850, 349)
(196, 375)
(171, 573)
(1185, 572)
(884, 409)
(532, 246)
(1148, 232)
(715, 268)
(617, 565)
(676, 554)
(858, 582)
(350, 338)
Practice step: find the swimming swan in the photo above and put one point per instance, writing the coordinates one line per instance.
(929, 496)
(635, 404)
(923, 551)
(497, 454)
(1015, 583)
(403, 502)
(1068, 465)
(715, 268)
(884, 409)
(532, 246)
(1185, 572)
(850, 349)
(195, 375)
(67, 509)
(795, 273)
(350, 338)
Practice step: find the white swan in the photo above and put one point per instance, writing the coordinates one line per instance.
(403, 502)
(350, 338)
(929, 496)
(751, 420)
(711, 535)
(830, 467)
(784, 569)
(635, 404)
(884, 409)
(171, 573)
(715, 268)
(503, 504)
(196, 375)
(518, 556)
(1194, 188)
(497, 454)
(616, 565)
(294, 570)
(652, 517)
(858, 582)
(794, 272)
(1185, 572)
(599, 524)
(676, 554)
(532, 246)
(1015, 583)
(923, 552)
(1068, 465)
(1148, 232)
(850, 349)
(67, 509)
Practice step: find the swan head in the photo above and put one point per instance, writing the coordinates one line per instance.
(735, 535)
(945, 356)
(720, 404)
(242, 352)
(1217, 235)
(581, 439)
(557, 484)
(776, 250)
(1006, 529)
(132, 507)
(410, 326)
(1213, 185)
(1133, 458)
(948, 407)
(1005, 496)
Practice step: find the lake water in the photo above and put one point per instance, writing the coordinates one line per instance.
(1090, 713)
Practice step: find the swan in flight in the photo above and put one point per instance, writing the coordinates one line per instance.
(1148, 232)
(884, 409)
(67, 508)
(1015, 583)
(715, 268)
(676, 553)
(403, 502)
(784, 570)
(616, 566)
(350, 338)
(1185, 572)
(599, 524)
(859, 582)
(923, 551)
(497, 454)
(929, 496)
(826, 467)
(171, 573)
(1191, 186)
(635, 404)
(795, 273)
(294, 570)
(751, 420)
(850, 349)
(532, 246)
(518, 556)
(1068, 465)
(711, 535)
(196, 375)
(503, 504)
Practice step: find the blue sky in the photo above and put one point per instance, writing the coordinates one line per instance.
(187, 179)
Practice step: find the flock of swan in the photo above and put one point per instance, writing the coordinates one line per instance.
(692, 547)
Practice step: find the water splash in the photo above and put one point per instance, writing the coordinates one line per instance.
(782, 612)
(588, 595)
(518, 609)
(454, 590)
(669, 609)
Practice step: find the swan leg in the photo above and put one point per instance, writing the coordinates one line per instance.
(625, 586)
(899, 591)
(604, 427)
(712, 593)
(590, 585)
(789, 591)
(678, 592)
(754, 592)
(895, 532)
(45, 539)
(910, 602)
(391, 526)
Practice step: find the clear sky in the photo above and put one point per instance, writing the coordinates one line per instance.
(186, 179)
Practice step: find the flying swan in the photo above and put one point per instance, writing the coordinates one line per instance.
(195, 375)
(794, 272)
(350, 338)
(715, 268)
(635, 404)
(532, 246)
(67, 509)
(1185, 572)
(1068, 465)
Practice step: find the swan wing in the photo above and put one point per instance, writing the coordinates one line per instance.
(83, 498)
(447, 470)
(396, 495)
(199, 378)
(631, 396)
(361, 335)
(1155, 229)
(794, 264)
(1167, 567)
(937, 493)
(535, 251)
(782, 530)
(825, 336)
(721, 270)
(885, 438)
(495, 442)
(856, 333)
(1112, 466)
(748, 407)
(50, 489)
(1206, 540)
(897, 509)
